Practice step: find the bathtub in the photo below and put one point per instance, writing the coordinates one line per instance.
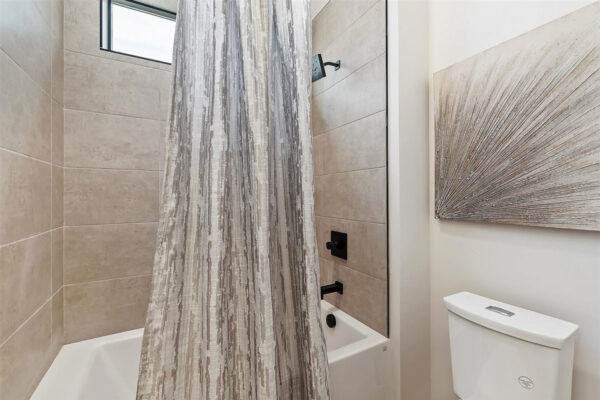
(106, 367)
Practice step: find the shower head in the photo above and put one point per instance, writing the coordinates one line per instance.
(318, 67)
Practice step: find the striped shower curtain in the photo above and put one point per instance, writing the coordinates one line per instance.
(234, 311)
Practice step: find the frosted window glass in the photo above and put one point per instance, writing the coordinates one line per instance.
(141, 34)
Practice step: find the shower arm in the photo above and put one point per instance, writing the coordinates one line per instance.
(336, 64)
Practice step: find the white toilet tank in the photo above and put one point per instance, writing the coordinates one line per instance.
(503, 352)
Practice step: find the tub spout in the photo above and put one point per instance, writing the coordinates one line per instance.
(337, 287)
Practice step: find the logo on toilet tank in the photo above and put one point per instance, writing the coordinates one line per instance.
(526, 382)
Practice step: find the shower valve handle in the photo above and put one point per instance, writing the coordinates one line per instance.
(338, 245)
(335, 245)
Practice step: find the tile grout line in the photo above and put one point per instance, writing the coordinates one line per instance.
(31, 236)
(112, 169)
(113, 114)
(33, 314)
(351, 171)
(118, 60)
(350, 74)
(28, 156)
(315, 135)
(352, 269)
(62, 286)
(54, 163)
(111, 223)
(56, 291)
(349, 26)
(36, 83)
(52, 183)
(66, 285)
(41, 15)
(350, 219)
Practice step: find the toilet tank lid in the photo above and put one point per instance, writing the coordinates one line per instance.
(510, 320)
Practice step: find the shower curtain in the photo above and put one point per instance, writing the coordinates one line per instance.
(234, 310)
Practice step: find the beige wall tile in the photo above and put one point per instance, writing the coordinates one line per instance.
(357, 145)
(162, 145)
(58, 66)
(358, 195)
(24, 355)
(82, 33)
(57, 133)
(111, 141)
(161, 182)
(57, 259)
(108, 251)
(24, 195)
(25, 111)
(25, 37)
(364, 298)
(349, 125)
(110, 196)
(326, 275)
(105, 307)
(58, 336)
(102, 85)
(82, 26)
(31, 66)
(58, 185)
(25, 273)
(335, 18)
(370, 29)
(57, 15)
(44, 8)
(361, 94)
(367, 245)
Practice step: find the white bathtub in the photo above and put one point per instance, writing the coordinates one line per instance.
(106, 367)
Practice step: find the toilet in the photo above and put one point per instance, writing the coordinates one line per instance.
(503, 352)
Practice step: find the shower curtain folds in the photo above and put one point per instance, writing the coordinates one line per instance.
(234, 309)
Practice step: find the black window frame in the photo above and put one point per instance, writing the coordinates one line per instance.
(106, 43)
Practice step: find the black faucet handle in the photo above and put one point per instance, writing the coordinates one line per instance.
(333, 245)
(338, 245)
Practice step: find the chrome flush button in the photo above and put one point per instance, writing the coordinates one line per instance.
(501, 311)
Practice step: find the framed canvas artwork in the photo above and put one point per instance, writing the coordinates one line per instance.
(517, 129)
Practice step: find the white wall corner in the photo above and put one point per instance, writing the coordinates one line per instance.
(408, 71)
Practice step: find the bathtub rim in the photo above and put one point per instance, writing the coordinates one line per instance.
(74, 360)
(372, 338)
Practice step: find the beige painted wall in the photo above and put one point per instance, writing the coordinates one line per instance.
(552, 271)
(115, 111)
(408, 192)
(31, 188)
(349, 128)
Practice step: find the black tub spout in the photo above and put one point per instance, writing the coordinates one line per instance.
(337, 287)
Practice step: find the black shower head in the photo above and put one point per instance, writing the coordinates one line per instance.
(318, 67)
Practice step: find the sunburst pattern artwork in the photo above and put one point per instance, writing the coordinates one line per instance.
(517, 129)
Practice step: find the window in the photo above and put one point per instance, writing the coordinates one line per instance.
(137, 29)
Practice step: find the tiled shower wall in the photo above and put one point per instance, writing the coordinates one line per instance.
(108, 171)
(115, 107)
(349, 128)
(31, 189)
